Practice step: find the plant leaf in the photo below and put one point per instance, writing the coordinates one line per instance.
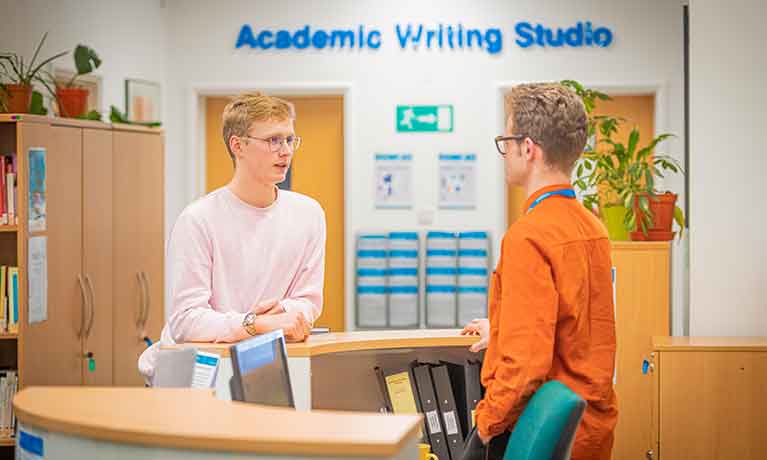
(633, 140)
(36, 107)
(86, 60)
(679, 219)
(92, 115)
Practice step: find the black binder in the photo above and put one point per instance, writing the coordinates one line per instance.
(447, 409)
(386, 396)
(467, 389)
(430, 409)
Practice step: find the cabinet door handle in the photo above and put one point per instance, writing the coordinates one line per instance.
(83, 306)
(141, 302)
(148, 297)
(92, 305)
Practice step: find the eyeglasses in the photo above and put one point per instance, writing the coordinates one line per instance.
(500, 142)
(276, 142)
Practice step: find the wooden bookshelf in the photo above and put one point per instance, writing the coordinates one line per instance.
(6, 441)
(9, 228)
(7, 336)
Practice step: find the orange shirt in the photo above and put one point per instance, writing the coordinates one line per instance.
(552, 318)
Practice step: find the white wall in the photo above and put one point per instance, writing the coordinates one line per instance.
(728, 115)
(128, 36)
(183, 44)
(647, 50)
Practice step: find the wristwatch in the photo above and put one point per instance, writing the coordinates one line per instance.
(249, 323)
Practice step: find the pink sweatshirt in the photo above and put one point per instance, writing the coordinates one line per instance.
(226, 256)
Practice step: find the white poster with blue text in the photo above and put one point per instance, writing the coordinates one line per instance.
(457, 180)
(393, 180)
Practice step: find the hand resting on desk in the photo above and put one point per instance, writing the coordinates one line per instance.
(480, 327)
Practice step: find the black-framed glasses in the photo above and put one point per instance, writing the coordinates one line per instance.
(500, 142)
(276, 142)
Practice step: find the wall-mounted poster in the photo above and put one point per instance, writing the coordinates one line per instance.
(457, 180)
(36, 189)
(393, 180)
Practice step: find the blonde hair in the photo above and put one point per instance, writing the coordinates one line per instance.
(554, 117)
(248, 108)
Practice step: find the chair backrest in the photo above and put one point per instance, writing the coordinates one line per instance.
(546, 429)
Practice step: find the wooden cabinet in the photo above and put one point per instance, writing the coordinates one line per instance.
(708, 402)
(138, 249)
(52, 349)
(97, 240)
(105, 249)
(643, 293)
(79, 249)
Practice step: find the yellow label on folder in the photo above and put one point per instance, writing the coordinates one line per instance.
(401, 393)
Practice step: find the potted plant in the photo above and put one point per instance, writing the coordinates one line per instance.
(619, 179)
(19, 77)
(72, 99)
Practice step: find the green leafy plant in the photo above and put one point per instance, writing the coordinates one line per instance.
(37, 106)
(115, 116)
(612, 173)
(86, 61)
(14, 70)
(93, 115)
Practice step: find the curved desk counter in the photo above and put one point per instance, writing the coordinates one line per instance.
(335, 370)
(123, 423)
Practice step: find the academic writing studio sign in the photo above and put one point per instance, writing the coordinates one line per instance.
(582, 34)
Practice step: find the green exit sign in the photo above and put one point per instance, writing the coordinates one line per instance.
(424, 118)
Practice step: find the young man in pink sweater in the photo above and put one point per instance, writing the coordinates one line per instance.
(247, 258)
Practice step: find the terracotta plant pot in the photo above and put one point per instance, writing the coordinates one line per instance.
(72, 101)
(18, 98)
(662, 209)
(613, 217)
(652, 235)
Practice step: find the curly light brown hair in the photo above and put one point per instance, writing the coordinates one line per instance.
(553, 117)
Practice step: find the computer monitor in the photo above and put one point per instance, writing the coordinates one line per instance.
(260, 371)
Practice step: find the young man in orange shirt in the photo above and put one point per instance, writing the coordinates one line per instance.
(551, 314)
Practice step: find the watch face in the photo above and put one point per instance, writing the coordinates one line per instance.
(248, 321)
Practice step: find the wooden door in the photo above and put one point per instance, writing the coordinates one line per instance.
(317, 170)
(138, 249)
(52, 349)
(636, 110)
(643, 277)
(97, 251)
(152, 249)
(218, 164)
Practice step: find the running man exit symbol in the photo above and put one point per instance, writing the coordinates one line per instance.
(424, 118)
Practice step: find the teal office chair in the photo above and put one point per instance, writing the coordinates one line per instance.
(546, 429)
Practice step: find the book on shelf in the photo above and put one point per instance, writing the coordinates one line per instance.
(8, 190)
(9, 382)
(9, 300)
(13, 300)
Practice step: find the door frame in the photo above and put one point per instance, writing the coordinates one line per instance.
(196, 169)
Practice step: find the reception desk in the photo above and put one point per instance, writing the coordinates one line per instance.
(335, 371)
(69, 423)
